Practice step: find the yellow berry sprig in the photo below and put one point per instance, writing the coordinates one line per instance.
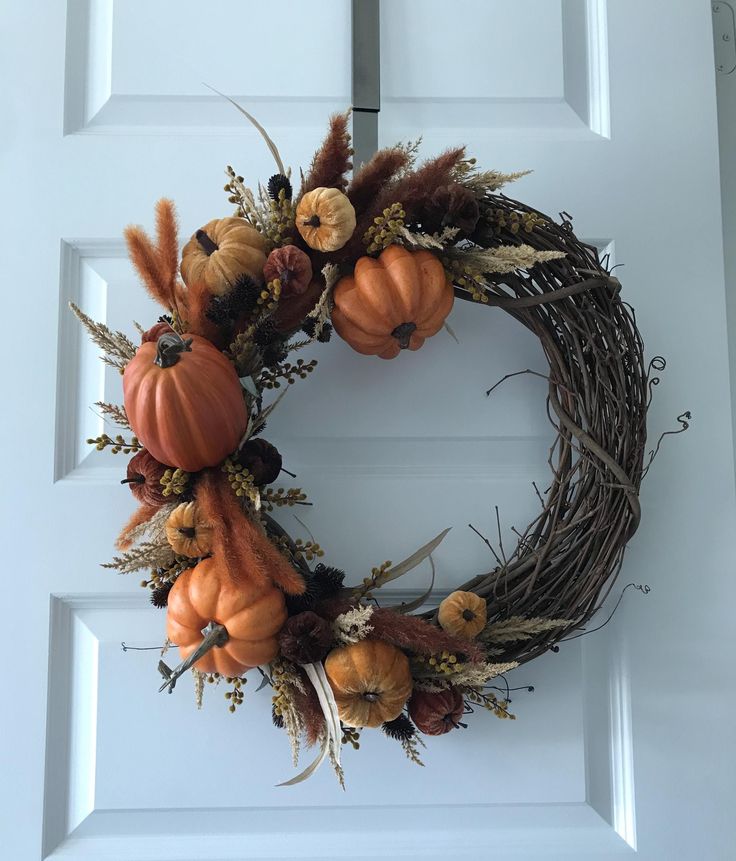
(279, 496)
(117, 445)
(308, 550)
(466, 277)
(174, 481)
(386, 229)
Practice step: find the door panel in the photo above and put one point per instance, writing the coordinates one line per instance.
(613, 105)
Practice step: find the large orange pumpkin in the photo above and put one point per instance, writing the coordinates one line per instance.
(392, 303)
(251, 612)
(184, 401)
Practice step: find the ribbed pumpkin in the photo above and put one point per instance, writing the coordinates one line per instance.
(392, 303)
(186, 531)
(371, 681)
(252, 613)
(144, 479)
(463, 614)
(222, 251)
(184, 401)
(325, 218)
(436, 712)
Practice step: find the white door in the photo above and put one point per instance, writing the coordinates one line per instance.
(626, 746)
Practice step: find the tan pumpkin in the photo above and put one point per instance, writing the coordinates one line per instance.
(184, 401)
(252, 613)
(325, 218)
(221, 252)
(392, 303)
(463, 614)
(371, 681)
(187, 533)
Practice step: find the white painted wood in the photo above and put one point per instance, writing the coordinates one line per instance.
(626, 744)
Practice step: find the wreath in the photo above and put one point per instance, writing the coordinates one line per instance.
(379, 260)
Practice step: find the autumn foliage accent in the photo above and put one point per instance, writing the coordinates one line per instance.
(247, 553)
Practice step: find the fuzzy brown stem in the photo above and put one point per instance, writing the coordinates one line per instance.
(312, 222)
(138, 479)
(208, 245)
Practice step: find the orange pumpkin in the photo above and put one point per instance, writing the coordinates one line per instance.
(463, 614)
(251, 612)
(184, 401)
(371, 681)
(392, 303)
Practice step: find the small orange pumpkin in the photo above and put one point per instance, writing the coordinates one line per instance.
(325, 218)
(221, 252)
(463, 614)
(251, 612)
(436, 712)
(187, 533)
(371, 681)
(392, 303)
(184, 401)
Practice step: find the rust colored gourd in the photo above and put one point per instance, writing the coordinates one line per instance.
(144, 476)
(221, 252)
(436, 712)
(463, 614)
(292, 310)
(187, 533)
(325, 218)
(392, 303)
(251, 613)
(184, 401)
(371, 681)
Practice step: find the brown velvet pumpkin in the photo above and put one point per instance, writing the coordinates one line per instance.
(220, 252)
(144, 479)
(463, 614)
(393, 303)
(325, 218)
(251, 612)
(187, 533)
(292, 310)
(371, 681)
(436, 712)
(184, 401)
(292, 267)
(155, 332)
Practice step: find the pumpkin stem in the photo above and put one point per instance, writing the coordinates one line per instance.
(138, 479)
(168, 348)
(213, 635)
(403, 334)
(313, 221)
(371, 697)
(188, 531)
(209, 246)
(468, 615)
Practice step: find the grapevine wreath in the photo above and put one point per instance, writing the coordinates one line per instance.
(379, 260)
